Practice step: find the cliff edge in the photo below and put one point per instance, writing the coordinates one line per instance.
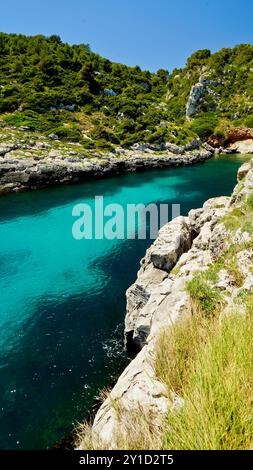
(213, 246)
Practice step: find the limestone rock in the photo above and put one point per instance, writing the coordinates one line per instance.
(197, 92)
(56, 167)
(174, 239)
(243, 171)
(243, 146)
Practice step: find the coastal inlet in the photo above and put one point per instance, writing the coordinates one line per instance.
(63, 301)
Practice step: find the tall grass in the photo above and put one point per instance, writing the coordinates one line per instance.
(207, 360)
(213, 371)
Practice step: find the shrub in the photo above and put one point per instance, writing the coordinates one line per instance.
(202, 292)
(33, 120)
(72, 134)
(204, 126)
(249, 121)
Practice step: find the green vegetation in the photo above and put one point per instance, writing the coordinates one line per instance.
(207, 361)
(204, 126)
(47, 85)
(240, 218)
(206, 296)
(70, 91)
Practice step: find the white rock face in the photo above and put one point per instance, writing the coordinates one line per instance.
(197, 92)
(174, 239)
(243, 171)
(243, 146)
(159, 298)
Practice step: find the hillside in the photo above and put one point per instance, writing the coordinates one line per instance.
(73, 93)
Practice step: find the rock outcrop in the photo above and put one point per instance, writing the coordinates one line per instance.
(197, 92)
(238, 140)
(159, 298)
(174, 239)
(20, 172)
(239, 134)
(242, 146)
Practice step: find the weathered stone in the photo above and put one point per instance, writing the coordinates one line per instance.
(243, 171)
(57, 168)
(244, 146)
(174, 239)
(53, 136)
(197, 92)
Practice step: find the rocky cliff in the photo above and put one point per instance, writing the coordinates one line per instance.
(159, 298)
(197, 92)
(34, 164)
(34, 161)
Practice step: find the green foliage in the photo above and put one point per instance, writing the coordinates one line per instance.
(33, 120)
(47, 85)
(198, 58)
(203, 293)
(249, 121)
(72, 133)
(42, 75)
(240, 218)
(204, 126)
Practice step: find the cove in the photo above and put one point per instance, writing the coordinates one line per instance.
(62, 301)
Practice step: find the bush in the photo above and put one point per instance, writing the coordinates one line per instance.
(198, 58)
(202, 292)
(204, 126)
(9, 104)
(249, 121)
(72, 134)
(33, 120)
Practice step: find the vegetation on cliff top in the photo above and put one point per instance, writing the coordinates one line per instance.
(53, 87)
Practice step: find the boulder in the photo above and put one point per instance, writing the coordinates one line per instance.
(243, 146)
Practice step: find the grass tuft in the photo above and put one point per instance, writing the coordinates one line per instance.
(218, 389)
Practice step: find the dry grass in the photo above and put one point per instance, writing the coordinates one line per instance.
(177, 347)
(139, 429)
(208, 361)
(136, 429)
(216, 384)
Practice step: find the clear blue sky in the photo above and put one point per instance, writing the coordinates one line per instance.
(151, 33)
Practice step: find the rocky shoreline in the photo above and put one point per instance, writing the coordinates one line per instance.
(33, 161)
(17, 174)
(159, 298)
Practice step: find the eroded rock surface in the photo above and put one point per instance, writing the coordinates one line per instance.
(35, 164)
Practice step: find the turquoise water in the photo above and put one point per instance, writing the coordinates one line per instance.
(62, 301)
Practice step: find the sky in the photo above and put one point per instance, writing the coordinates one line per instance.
(150, 33)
